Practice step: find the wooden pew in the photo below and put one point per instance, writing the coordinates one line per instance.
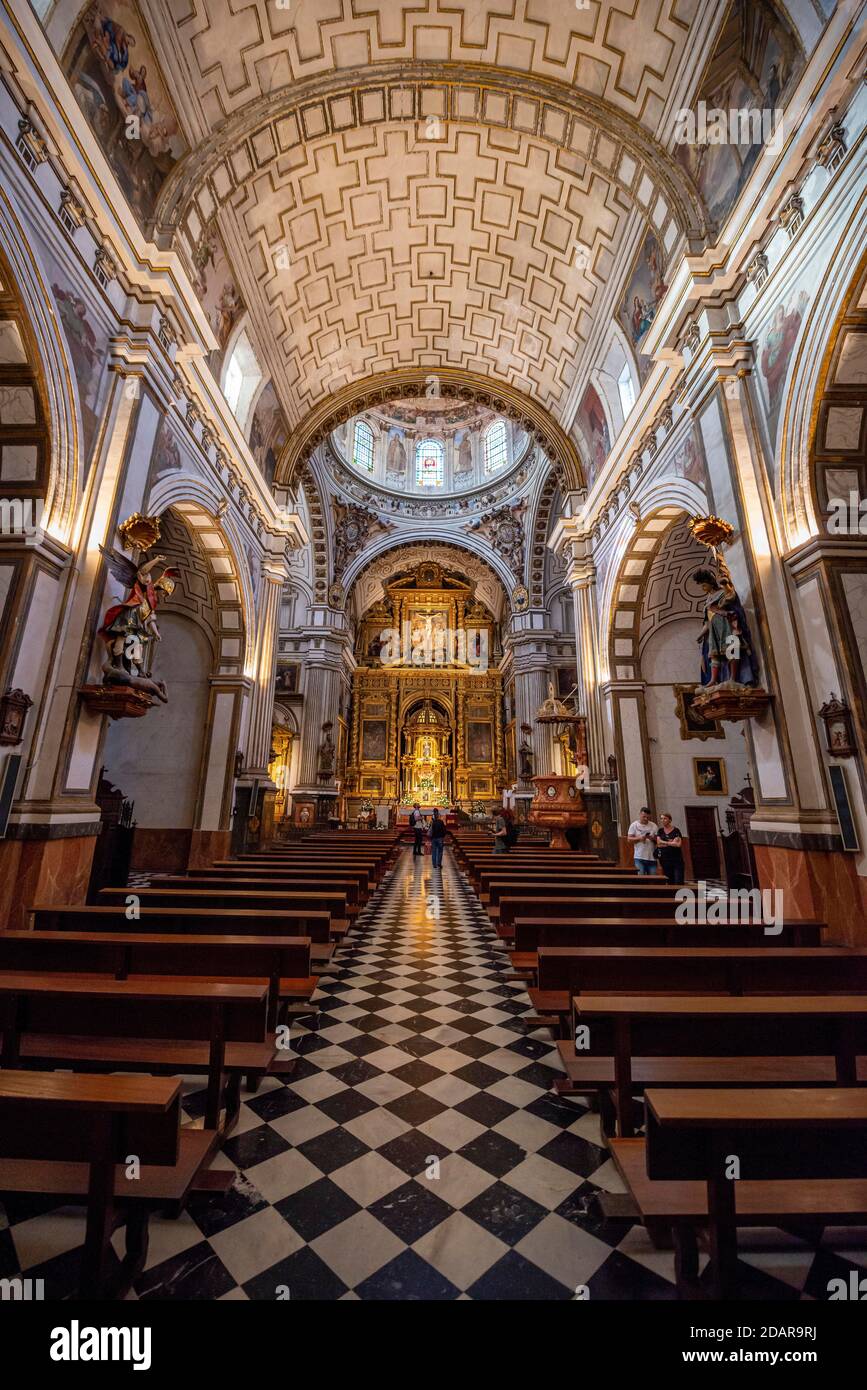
(283, 961)
(658, 930)
(70, 1137)
(590, 903)
(268, 873)
(802, 1155)
(629, 1042)
(200, 921)
(233, 899)
(251, 882)
(568, 970)
(161, 1026)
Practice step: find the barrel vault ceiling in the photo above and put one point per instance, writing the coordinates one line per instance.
(425, 183)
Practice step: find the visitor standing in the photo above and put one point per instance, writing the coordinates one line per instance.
(438, 834)
(499, 830)
(642, 837)
(416, 820)
(669, 849)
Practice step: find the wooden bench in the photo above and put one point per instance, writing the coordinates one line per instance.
(532, 933)
(230, 899)
(196, 921)
(251, 882)
(586, 903)
(567, 970)
(283, 961)
(356, 879)
(627, 1043)
(71, 1137)
(160, 1026)
(802, 1156)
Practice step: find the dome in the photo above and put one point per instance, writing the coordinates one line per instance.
(430, 446)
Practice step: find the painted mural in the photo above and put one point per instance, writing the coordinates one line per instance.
(113, 72)
(166, 456)
(87, 360)
(268, 432)
(644, 291)
(594, 427)
(214, 283)
(755, 58)
(774, 354)
(687, 461)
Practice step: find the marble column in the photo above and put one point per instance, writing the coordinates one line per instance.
(532, 672)
(261, 712)
(582, 580)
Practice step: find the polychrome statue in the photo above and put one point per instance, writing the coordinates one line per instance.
(130, 625)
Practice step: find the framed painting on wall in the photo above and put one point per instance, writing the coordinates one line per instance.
(692, 725)
(480, 743)
(373, 741)
(709, 775)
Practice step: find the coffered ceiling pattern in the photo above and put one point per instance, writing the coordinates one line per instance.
(624, 52)
(375, 249)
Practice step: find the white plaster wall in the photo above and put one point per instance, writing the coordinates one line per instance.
(156, 761)
(671, 657)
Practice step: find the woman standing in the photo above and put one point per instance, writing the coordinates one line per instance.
(669, 849)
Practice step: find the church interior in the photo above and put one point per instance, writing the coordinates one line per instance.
(431, 432)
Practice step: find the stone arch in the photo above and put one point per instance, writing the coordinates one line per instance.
(677, 494)
(388, 555)
(54, 376)
(538, 546)
(261, 132)
(813, 375)
(233, 578)
(624, 623)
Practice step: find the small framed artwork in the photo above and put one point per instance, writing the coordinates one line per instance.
(709, 776)
(692, 725)
(371, 784)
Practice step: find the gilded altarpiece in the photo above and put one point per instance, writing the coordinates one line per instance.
(427, 706)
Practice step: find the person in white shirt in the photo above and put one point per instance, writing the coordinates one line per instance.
(642, 837)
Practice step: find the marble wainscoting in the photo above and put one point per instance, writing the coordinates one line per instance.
(42, 872)
(208, 845)
(818, 884)
(174, 851)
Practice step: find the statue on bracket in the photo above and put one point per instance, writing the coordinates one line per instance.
(129, 626)
(326, 753)
(727, 654)
(729, 688)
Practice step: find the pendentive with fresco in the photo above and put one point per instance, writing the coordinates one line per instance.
(427, 699)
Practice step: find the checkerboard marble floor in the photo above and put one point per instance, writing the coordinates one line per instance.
(417, 1152)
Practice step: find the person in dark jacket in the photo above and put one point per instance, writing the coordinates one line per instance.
(669, 842)
(416, 820)
(438, 834)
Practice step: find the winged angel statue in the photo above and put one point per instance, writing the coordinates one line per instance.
(130, 625)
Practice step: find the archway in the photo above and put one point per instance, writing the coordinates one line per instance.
(176, 764)
(426, 753)
(667, 757)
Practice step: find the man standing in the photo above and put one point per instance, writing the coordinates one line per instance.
(642, 837)
(438, 834)
(416, 820)
(499, 830)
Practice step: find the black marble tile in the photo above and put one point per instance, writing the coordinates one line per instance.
(255, 1146)
(517, 1279)
(316, 1208)
(303, 1277)
(507, 1214)
(195, 1274)
(411, 1151)
(332, 1149)
(408, 1278)
(411, 1211)
(493, 1152)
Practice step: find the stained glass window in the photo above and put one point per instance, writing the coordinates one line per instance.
(430, 457)
(496, 455)
(362, 453)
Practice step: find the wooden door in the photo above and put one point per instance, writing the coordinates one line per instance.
(701, 829)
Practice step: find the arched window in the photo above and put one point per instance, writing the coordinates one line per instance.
(496, 455)
(430, 457)
(362, 447)
(627, 390)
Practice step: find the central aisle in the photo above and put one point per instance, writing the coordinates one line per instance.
(417, 1151)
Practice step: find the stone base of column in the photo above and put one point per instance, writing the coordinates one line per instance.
(820, 885)
(208, 845)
